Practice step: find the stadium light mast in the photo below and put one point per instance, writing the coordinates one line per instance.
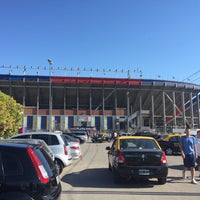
(50, 97)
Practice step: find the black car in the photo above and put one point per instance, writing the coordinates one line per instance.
(170, 143)
(97, 138)
(132, 157)
(147, 134)
(27, 171)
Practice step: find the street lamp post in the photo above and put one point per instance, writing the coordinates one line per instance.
(50, 97)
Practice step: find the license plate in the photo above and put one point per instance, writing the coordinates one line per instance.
(144, 172)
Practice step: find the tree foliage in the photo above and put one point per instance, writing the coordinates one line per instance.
(11, 115)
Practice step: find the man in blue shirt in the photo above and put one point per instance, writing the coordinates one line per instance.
(189, 153)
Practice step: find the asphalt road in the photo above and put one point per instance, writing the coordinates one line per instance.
(90, 179)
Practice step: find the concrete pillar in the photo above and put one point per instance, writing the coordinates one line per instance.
(152, 112)
(174, 110)
(183, 108)
(164, 114)
(191, 111)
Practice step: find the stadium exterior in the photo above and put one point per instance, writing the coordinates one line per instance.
(61, 102)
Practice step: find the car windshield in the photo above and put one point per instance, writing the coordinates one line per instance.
(138, 144)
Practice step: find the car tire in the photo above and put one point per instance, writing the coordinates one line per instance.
(169, 151)
(162, 181)
(59, 165)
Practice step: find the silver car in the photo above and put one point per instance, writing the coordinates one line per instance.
(82, 135)
(74, 146)
(56, 142)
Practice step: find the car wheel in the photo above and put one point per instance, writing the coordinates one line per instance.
(59, 165)
(169, 151)
(162, 181)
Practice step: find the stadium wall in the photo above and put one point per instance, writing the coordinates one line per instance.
(106, 103)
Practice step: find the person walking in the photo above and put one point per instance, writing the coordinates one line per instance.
(188, 150)
(198, 150)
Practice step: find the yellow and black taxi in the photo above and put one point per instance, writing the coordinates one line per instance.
(132, 157)
(170, 143)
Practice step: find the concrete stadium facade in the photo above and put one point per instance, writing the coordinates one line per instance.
(60, 102)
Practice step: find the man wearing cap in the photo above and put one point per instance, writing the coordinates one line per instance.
(189, 153)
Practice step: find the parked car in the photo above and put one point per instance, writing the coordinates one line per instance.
(97, 138)
(74, 136)
(170, 143)
(71, 138)
(27, 172)
(56, 142)
(108, 137)
(148, 134)
(33, 141)
(75, 147)
(82, 135)
(124, 134)
(132, 157)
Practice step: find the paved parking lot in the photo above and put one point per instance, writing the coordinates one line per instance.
(90, 178)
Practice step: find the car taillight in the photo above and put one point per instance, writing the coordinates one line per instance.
(74, 147)
(121, 158)
(41, 172)
(65, 150)
(163, 158)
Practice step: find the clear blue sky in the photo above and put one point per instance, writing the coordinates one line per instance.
(160, 38)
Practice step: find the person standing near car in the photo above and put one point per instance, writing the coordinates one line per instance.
(188, 150)
(198, 150)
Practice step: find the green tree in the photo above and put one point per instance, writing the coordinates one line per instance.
(11, 115)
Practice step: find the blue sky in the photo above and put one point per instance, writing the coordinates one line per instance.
(153, 39)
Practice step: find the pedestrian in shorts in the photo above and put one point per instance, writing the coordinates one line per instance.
(189, 153)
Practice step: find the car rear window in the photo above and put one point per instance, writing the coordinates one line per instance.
(49, 139)
(23, 136)
(11, 164)
(138, 144)
(14, 161)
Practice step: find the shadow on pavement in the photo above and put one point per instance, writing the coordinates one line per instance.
(102, 178)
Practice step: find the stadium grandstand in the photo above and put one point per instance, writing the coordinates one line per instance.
(62, 102)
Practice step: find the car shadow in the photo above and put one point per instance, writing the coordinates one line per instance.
(176, 167)
(102, 178)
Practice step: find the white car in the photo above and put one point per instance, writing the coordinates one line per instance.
(82, 135)
(74, 146)
(56, 142)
